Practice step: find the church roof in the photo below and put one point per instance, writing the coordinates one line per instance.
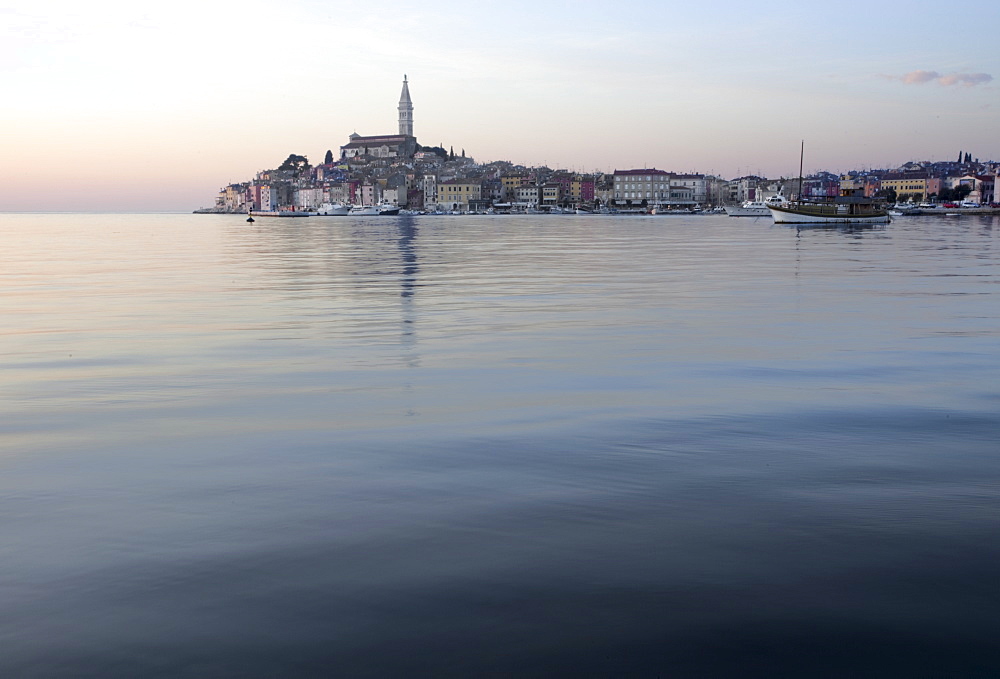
(404, 96)
(358, 140)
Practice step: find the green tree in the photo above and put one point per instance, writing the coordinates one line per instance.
(294, 164)
(328, 160)
(888, 194)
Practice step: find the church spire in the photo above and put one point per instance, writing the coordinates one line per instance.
(405, 110)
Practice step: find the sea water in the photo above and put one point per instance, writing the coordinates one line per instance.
(498, 446)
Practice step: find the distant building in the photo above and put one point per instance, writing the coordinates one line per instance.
(401, 145)
(912, 185)
(457, 194)
(635, 186)
(526, 195)
(697, 183)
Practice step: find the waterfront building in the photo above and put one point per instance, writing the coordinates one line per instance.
(342, 192)
(551, 194)
(912, 185)
(308, 198)
(527, 195)
(457, 194)
(934, 185)
(232, 198)
(696, 182)
(399, 184)
(982, 187)
(679, 195)
(268, 198)
(430, 190)
(367, 194)
(635, 186)
(510, 183)
(493, 190)
(604, 190)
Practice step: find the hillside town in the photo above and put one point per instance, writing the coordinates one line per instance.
(395, 170)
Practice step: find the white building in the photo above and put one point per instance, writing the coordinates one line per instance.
(430, 190)
(527, 195)
(635, 186)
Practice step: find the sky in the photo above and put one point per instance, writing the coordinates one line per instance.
(140, 106)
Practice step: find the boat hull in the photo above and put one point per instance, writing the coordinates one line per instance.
(747, 212)
(333, 210)
(789, 215)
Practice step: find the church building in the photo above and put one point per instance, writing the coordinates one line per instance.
(402, 145)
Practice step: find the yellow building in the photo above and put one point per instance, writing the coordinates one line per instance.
(913, 186)
(511, 183)
(457, 193)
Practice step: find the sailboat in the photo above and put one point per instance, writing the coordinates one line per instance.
(850, 207)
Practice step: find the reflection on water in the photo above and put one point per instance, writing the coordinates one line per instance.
(449, 446)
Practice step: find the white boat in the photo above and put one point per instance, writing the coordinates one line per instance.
(755, 208)
(332, 210)
(899, 210)
(373, 210)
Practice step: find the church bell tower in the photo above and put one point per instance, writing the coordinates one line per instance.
(405, 111)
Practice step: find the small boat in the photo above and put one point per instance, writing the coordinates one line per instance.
(898, 210)
(755, 208)
(373, 210)
(332, 210)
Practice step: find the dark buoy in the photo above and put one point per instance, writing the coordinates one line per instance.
(250, 219)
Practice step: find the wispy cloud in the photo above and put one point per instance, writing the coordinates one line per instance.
(944, 79)
(967, 79)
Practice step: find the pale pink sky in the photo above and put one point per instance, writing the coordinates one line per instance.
(120, 106)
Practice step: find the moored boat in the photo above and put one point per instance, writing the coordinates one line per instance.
(852, 206)
(373, 210)
(755, 208)
(898, 210)
(332, 210)
(843, 209)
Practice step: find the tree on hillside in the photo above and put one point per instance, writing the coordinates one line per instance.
(328, 160)
(436, 150)
(294, 164)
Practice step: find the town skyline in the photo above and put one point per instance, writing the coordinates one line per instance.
(106, 91)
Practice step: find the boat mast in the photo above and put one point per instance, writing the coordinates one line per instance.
(802, 155)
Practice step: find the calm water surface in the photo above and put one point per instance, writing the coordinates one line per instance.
(474, 446)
